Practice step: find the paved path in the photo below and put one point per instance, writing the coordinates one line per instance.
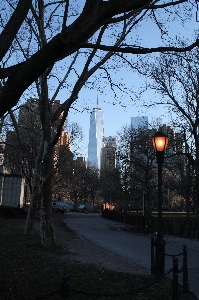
(136, 248)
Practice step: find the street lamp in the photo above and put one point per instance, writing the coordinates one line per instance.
(160, 143)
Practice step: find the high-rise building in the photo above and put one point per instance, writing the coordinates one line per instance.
(139, 122)
(96, 134)
(108, 154)
(29, 124)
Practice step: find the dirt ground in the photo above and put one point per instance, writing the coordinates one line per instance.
(78, 251)
(82, 250)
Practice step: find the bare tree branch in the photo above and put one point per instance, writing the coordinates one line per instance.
(75, 36)
(8, 34)
(140, 50)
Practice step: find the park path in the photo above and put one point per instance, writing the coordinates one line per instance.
(134, 247)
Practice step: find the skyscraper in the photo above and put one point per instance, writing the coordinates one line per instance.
(96, 134)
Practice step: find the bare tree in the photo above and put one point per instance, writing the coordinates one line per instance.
(64, 40)
(175, 78)
(19, 157)
(137, 158)
(37, 56)
(111, 188)
(180, 172)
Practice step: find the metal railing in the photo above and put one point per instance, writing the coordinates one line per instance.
(172, 226)
(174, 269)
(65, 292)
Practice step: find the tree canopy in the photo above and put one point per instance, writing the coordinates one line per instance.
(64, 38)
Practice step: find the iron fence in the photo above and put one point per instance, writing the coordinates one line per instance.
(65, 292)
(171, 226)
(174, 269)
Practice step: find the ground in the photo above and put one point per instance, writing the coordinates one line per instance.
(80, 249)
(30, 272)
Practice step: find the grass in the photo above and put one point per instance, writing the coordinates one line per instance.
(28, 271)
(166, 214)
(173, 214)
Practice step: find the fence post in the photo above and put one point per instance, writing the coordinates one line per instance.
(65, 286)
(172, 226)
(175, 279)
(185, 271)
(190, 225)
(152, 256)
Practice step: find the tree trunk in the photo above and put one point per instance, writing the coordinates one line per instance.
(35, 194)
(31, 213)
(197, 197)
(46, 223)
(35, 199)
(196, 204)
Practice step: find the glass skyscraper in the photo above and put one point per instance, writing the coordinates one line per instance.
(96, 134)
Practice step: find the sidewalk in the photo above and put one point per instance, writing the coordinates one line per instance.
(135, 247)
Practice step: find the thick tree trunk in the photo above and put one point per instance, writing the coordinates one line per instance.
(35, 193)
(46, 223)
(30, 217)
(197, 197)
(35, 198)
(196, 204)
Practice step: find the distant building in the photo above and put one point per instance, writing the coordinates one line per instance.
(109, 141)
(64, 138)
(108, 154)
(96, 134)
(174, 141)
(29, 124)
(80, 161)
(29, 114)
(139, 122)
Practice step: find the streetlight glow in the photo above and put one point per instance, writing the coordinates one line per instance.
(160, 141)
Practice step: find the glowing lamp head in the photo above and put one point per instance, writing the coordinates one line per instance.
(160, 141)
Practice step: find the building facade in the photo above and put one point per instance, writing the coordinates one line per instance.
(29, 125)
(108, 154)
(96, 134)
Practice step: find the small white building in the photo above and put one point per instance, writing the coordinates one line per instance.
(11, 189)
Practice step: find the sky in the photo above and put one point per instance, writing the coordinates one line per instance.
(117, 115)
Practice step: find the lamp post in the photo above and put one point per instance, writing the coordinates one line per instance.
(160, 143)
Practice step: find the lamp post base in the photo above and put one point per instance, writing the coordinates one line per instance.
(160, 255)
